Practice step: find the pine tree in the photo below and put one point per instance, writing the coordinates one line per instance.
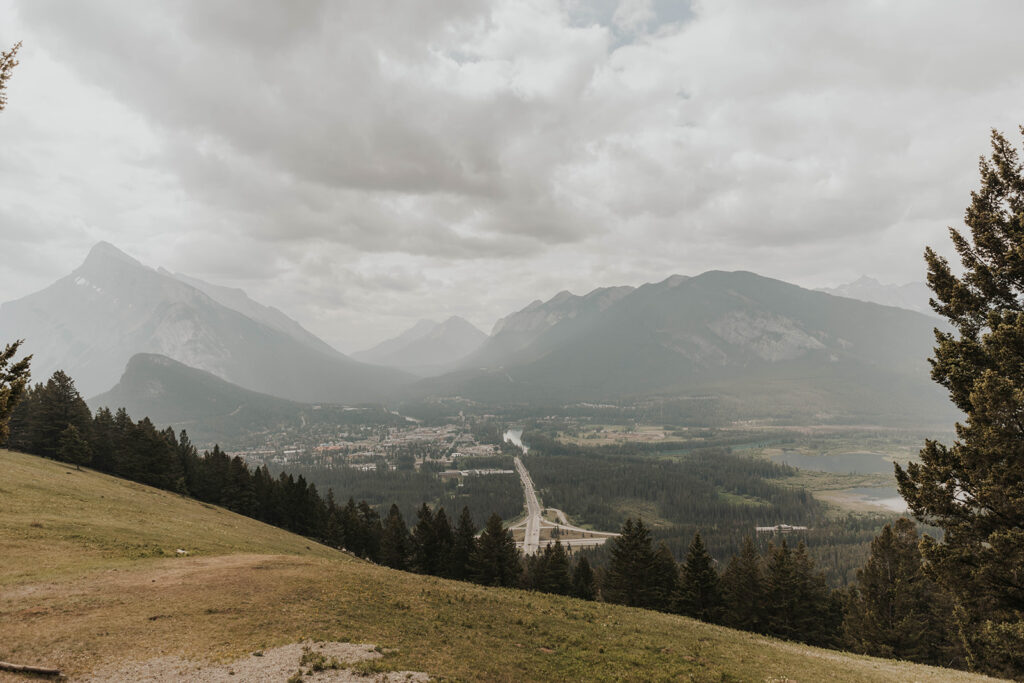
(445, 540)
(630, 576)
(743, 590)
(73, 448)
(666, 579)
(556, 577)
(424, 542)
(894, 610)
(59, 405)
(974, 489)
(395, 544)
(583, 580)
(699, 592)
(13, 376)
(496, 561)
(464, 546)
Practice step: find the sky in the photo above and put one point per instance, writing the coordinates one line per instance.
(362, 165)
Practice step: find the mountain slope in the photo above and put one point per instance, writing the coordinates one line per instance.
(518, 331)
(90, 580)
(427, 348)
(211, 409)
(238, 300)
(92, 321)
(773, 346)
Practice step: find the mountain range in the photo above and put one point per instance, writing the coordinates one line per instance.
(776, 349)
(769, 348)
(91, 322)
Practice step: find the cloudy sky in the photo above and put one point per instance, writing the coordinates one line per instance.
(361, 165)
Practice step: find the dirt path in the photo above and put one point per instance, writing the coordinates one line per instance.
(314, 661)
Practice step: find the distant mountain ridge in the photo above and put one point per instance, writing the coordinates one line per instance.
(427, 348)
(913, 296)
(92, 321)
(236, 299)
(773, 348)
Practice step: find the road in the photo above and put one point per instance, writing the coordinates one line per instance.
(531, 538)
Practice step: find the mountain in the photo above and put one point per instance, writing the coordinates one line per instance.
(772, 348)
(427, 348)
(913, 296)
(112, 307)
(238, 300)
(518, 331)
(209, 408)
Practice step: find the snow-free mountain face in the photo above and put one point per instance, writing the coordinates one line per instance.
(237, 300)
(92, 321)
(517, 331)
(913, 296)
(428, 348)
(775, 347)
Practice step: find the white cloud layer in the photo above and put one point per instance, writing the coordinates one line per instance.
(361, 165)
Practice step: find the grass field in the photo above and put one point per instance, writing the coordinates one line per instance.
(89, 575)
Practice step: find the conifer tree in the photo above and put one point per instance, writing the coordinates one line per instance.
(445, 540)
(894, 610)
(974, 489)
(743, 590)
(630, 576)
(556, 577)
(464, 546)
(699, 591)
(583, 580)
(496, 561)
(424, 542)
(666, 578)
(395, 542)
(59, 405)
(13, 375)
(73, 448)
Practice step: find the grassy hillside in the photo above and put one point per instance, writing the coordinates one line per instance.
(89, 576)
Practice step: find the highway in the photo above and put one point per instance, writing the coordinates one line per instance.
(531, 538)
(534, 522)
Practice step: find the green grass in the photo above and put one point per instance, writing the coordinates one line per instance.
(110, 592)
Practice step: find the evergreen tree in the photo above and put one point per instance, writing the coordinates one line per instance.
(370, 530)
(424, 542)
(666, 578)
(583, 580)
(974, 489)
(629, 580)
(59, 405)
(13, 376)
(556, 576)
(700, 595)
(743, 590)
(894, 610)
(496, 561)
(395, 543)
(464, 546)
(445, 540)
(798, 605)
(73, 448)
